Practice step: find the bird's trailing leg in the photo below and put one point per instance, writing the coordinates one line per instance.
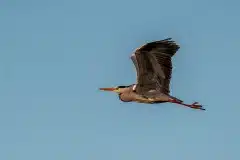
(195, 105)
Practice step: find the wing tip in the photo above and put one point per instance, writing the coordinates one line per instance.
(168, 42)
(167, 39)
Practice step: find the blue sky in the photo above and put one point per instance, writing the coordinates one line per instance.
(54, 55)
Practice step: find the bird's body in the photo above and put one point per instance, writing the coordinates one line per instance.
(129, 95)
(154, 69)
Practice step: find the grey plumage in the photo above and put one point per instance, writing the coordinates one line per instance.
(153, 63)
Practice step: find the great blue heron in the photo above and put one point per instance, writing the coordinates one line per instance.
(154, 69)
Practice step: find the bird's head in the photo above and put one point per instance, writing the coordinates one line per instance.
(118, 89)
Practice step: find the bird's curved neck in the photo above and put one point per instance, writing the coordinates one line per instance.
(124, 97)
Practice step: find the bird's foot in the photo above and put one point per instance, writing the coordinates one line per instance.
(196, 105)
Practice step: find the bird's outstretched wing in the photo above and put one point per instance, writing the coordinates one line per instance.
(154, 66)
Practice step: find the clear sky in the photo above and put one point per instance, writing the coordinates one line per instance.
(55, 54)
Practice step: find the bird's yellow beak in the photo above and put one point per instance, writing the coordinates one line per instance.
(113, 89)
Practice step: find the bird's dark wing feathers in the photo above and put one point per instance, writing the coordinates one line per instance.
(153, 65)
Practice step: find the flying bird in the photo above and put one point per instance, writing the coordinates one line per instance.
(153, 64)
